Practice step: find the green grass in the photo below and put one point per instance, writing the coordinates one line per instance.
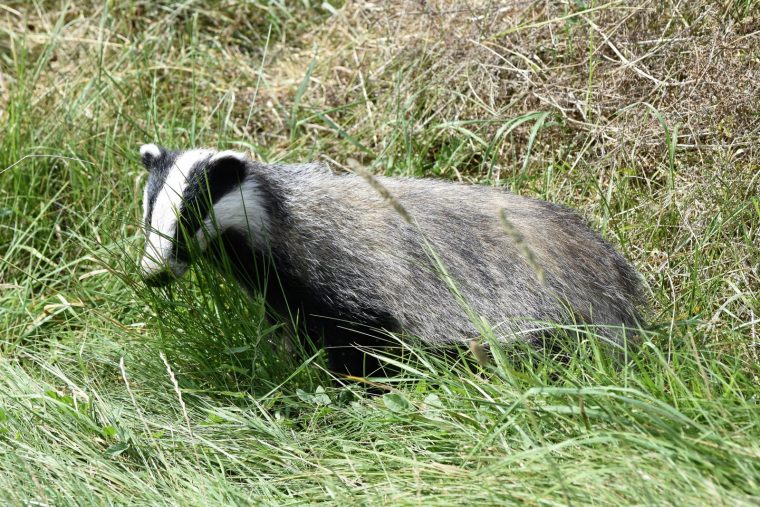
(115, 394)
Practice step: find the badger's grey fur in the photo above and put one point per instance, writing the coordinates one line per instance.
(350, 263)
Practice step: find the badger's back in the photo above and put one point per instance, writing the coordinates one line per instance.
(340, 246)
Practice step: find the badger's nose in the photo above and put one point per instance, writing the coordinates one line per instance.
(159, 278)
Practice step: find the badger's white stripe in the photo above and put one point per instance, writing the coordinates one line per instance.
(150, 149)
(241, 209)
(146, 208)
(158, 243)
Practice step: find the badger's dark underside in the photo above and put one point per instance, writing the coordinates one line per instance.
(318, 316)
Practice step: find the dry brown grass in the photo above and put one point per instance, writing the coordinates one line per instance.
(693, 62)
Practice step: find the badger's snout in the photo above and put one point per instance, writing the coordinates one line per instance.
(159, 278)
(157, 273)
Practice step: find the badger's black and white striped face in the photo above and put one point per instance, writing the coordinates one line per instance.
(190, 198)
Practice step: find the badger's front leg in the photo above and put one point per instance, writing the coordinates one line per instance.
(349, 350)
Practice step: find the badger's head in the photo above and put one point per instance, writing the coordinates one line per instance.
(192, 197)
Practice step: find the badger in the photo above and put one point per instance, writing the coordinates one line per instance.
(358, 257)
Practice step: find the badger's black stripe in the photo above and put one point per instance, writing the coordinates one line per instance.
(159, 169)
(207, 184)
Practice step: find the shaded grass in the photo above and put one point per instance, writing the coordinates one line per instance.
(114, 393)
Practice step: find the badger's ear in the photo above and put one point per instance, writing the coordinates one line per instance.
(150, 154)
(225, 170)
(229, 165)
(229, 157)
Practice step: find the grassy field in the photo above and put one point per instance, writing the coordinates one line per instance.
(644, 116)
